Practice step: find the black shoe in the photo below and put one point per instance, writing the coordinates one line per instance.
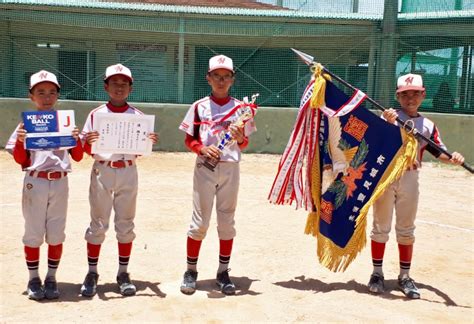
(407, 285)
(376, 284)
(35, 289)
(51, 288)
(188, 286)
(225, 284)
(127, 288)
(89, 287)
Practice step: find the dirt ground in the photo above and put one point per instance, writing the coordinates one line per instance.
(273, 264)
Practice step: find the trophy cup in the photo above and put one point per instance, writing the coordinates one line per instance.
(244, 113)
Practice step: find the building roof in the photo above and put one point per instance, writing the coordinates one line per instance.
(125, 5)
(248, 4)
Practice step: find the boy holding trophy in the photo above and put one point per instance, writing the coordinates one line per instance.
(217, 129)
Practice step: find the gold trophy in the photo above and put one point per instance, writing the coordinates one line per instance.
(245, 113)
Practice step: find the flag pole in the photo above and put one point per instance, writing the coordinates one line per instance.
(409, 127)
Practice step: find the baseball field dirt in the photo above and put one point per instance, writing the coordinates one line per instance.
(274, 264)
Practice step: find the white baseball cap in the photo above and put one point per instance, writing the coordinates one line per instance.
(118, 69)
(410, 82)
(43, 76)
(220, 62)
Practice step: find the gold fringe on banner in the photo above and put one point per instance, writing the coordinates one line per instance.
(319, 88)
(312, 222)
(336, 258)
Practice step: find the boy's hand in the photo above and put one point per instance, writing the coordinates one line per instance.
(91, 137)
(21, 133)
(154, 137)
(210, 152)
(457, 158)
(237, 133)
(75, 133)
(390, 115)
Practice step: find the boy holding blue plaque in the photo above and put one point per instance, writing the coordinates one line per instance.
(45, 189)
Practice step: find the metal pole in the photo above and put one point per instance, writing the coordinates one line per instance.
(388, 52)
(355, 5)
(181, 61)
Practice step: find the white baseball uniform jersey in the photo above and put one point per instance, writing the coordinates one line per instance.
(114, 183)
(45, 191)
(204, 121)
(403, 194)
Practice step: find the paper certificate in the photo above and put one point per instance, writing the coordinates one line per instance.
(49, 130)
(123, 133)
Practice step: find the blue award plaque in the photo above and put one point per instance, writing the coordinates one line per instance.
(49, 130)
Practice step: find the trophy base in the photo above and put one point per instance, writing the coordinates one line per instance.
(210, 163)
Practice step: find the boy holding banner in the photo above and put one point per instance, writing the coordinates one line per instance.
(402, 195)
(45, 190)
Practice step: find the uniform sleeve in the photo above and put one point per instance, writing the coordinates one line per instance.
(194, 144)
(12, 140)
(82, 136)
(435, 137)
(187, 125)
(244, 144)
(21, 155)
(77, 152)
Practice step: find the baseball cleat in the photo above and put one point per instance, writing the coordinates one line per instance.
(226, 286)
(89, 287)
(35, 289)
(188, 286)
(127, 288)
(51, 288)
(376, 284)
(407, 286)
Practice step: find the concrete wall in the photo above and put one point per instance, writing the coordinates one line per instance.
(274, 125)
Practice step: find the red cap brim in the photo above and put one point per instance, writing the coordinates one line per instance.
(402, 89)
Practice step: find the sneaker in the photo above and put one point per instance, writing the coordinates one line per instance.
(376, 284)
(51, 288)
(407, 286)
(35, 289)
(188, 286)
(89, 287)
(225, 284)
(127, 288)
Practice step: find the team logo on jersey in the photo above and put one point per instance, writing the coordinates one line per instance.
(29, 186)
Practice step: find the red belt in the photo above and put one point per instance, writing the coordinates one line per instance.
(49, 175)
(117, 164)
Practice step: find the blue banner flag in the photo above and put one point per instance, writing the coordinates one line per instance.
(351, 156)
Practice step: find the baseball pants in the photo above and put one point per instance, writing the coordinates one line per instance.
(44, 205)
(403, 196)
(117, 189)
(223, 184)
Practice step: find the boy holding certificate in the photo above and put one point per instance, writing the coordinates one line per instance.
(45, 190)
(114, 184)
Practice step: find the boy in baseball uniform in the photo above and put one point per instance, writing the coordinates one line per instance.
(205, 119)
(114, 184)
(402, 195)
(45, 191)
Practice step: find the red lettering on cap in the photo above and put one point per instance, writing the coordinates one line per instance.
(221, 60)
(43, 75)
(118, 68)
(409, 80)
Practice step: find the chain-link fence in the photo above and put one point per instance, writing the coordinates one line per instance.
(167, 46)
